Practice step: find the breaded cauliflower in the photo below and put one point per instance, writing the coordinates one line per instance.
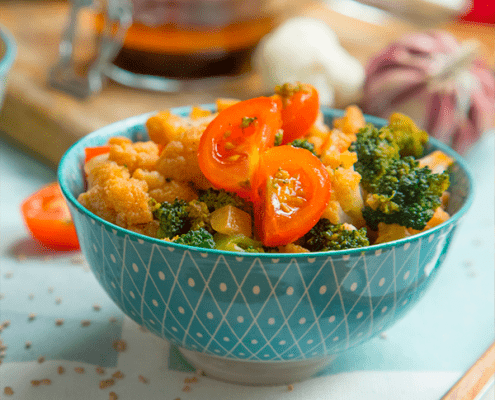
(179, 158)
(390, 232)
(115, 196)
(335, 153)
(162, 189)
(165, 127)
(351, 122)
(131, 155)
(318, 133)
(346, 201)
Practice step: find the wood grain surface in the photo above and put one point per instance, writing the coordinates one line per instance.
(45, 122)
(476, 379)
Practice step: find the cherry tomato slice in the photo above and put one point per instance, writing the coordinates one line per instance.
(293, 188)
(48, 218)
(230, 146)
(91, 152)
(300, 107)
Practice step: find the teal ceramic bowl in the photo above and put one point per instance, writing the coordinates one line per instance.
(258, 318)
(8, 51)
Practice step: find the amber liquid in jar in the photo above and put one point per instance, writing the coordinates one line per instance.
(190, 52)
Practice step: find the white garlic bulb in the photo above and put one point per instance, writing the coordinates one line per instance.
(307, 50)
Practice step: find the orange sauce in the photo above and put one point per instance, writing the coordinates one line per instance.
(183, 52)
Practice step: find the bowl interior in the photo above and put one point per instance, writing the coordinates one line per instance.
(71, 176)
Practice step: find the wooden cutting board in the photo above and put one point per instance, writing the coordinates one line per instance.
(45, 122)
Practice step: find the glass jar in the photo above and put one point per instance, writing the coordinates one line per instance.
(193, 38)
(164, 45)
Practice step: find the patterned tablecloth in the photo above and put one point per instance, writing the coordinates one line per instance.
(61, 333)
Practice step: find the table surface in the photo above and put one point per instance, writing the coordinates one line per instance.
(47, 122)
(418, 358)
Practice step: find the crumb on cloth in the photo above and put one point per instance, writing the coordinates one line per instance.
(118, 375)
(119, 345)
(106, 383)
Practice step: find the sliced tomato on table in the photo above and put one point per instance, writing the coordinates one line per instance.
(91, 152)
(48, 218)
(231, 145)
(300, 107)
(293, 189)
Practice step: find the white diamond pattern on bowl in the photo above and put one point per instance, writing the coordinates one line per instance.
(206, 303)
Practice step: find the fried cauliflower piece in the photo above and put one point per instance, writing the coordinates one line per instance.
(437, 161)
(180, 137)
(95, 201)
(346, 200)
(115, 196)
(351, 122)
(390, 232)
(149, 229)
(348, 193)
(133, 155)
(179, 159)
(162, 189)
(166, 127)
(335, 153)
(318, 133)
(100, 170)
(198, 113)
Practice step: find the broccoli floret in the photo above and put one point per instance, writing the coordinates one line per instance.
(325, 236)
(238, 242)
(406, 195)
(218, 198)
(198, 215)
(408, 136)
(172, 217)
(303, 144)
(376, 150)
(198, 238)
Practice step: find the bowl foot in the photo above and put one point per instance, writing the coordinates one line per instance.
(255, 373)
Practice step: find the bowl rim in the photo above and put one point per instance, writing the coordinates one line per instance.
(140, 119)
(10, 50)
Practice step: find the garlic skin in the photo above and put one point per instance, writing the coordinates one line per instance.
(440, 83)
(306, 50)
